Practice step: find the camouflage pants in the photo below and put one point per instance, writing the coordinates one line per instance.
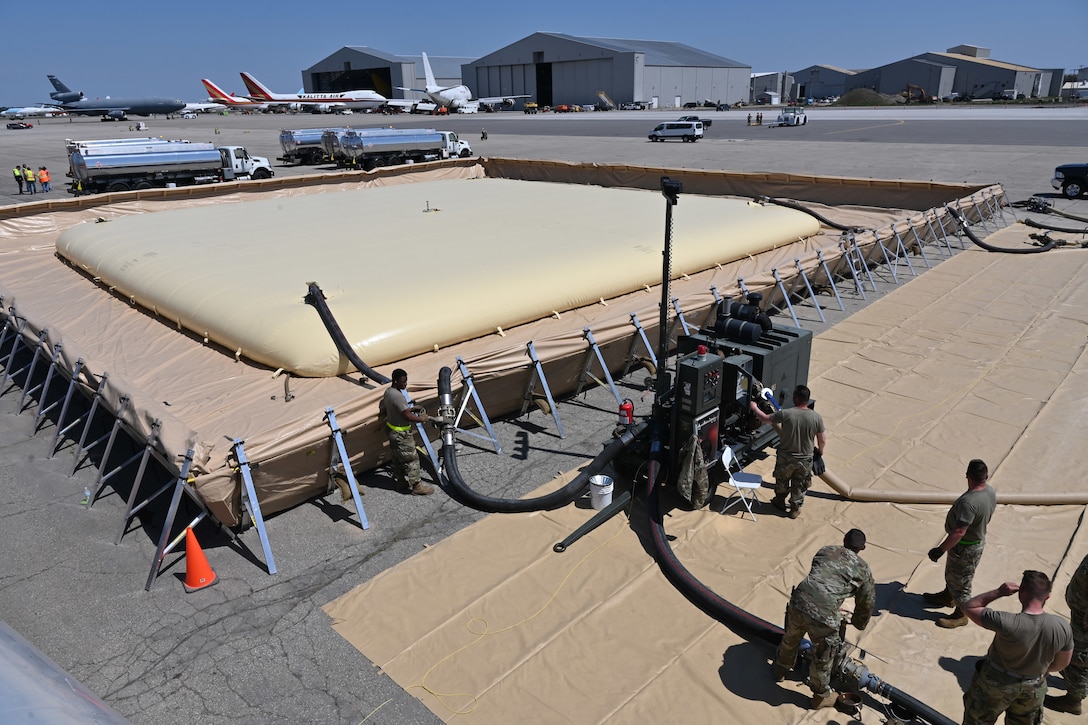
(825, 643)
(402, 446)
(792, 477)
(1076, 674)
(992, 693)
(959, 571)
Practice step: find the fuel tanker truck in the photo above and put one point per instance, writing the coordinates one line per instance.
(159, 164)
(304, 146)
(371, 148)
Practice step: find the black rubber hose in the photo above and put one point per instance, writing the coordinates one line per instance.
(1053, 228)
(914, 706)
(464, 494)
(989, 247)
(316, 298)
(823, 220)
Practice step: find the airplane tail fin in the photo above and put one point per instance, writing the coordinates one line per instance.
(61, 88)
(427, 72)
(216, 93)
(256, 88)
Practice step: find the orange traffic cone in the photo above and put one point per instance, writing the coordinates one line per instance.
(198, 574)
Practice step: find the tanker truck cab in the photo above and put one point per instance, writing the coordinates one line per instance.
(455, 147)
(238, 164)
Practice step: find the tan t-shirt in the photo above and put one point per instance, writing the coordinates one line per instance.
(1026, 644)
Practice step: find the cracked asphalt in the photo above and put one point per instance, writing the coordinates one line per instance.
(256, 648)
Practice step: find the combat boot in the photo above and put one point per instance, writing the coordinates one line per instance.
(956, 619)
(779, 502)
(938, 599)
(421, 489)
(780, 672)
(795, 512)
(820, 701)
(1066, 703)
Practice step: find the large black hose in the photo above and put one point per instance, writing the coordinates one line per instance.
(316, 298)
(989, 247)
(1054, 228)
(823, 220)
(463, 493)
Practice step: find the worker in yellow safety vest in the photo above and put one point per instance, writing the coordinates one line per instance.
(28, 177)
(18, 177)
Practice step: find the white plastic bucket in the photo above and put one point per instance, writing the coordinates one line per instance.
(600, 491)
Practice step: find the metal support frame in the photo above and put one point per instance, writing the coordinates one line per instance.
(111, 438)
(12, 324)
(28, 389)
(469, 393)
(901, 252)
(29, 366)
(143, 455)
(887, 260)
(131, 508)
(641, 335)
(166, 544)
(595, 351)
(530, 396)
(251, 504)
(785, 296)
(83, 449)
(339, 457)
(830, 279)
(87, 415)
(848, 255)
(44, 387)
(902, 245)
(62, 402)
(914, 231)
(679, 318)
(808, 286)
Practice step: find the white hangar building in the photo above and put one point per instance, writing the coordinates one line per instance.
(360, 68)
(555, 68)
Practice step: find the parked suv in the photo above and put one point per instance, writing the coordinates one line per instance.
(1071, 179)
(687, 131)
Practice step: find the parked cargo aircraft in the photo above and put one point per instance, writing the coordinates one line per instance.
(218, 95)
(355, 100)
(30, 111)
(456, 98)
(111, 108)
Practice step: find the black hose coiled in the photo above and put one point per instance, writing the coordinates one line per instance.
(316, 298)
(823, 220)
(989, 247)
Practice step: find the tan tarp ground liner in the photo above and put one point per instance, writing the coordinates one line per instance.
(981, 357)
(203, 397)
(410, 268)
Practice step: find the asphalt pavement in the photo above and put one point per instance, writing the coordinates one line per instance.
(256, 648)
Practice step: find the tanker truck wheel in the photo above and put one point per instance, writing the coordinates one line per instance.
(465, 153)
(143, 185)
(117, 186)
(260, 174)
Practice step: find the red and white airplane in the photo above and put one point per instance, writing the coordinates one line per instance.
(218, 95)
(355, 100)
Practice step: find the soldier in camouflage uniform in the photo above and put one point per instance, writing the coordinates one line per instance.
(1011, 679)
(801, 430)
(1076, 673)
(400, 418)
(837, 573)
(965, 537)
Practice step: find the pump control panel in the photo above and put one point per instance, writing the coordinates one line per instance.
(699, 383)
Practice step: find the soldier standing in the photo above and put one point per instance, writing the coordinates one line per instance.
(400, 417)
(1011, 679)
(965, 529)
(1076, 672)
(802, 430)
(837, 573)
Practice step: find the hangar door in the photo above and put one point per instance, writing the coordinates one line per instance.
(353, 79)
(544, 84)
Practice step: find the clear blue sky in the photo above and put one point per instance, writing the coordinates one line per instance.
(164, 48)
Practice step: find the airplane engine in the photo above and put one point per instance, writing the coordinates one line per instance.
(70, 97)
(116, 115)
(508, 103)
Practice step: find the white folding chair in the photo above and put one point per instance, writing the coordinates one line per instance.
(745, 485)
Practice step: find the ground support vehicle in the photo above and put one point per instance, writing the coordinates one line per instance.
(686, 131)
(172, 164)
(707, 123)
(1071, 180)
(17, 125)
(531, 107)
(373, 149)
(791, 116)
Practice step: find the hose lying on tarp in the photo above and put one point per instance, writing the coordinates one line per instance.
(461, 491)
(1054, 227)
(744, 623)
(316, 298)
(989, 247)
(797, 207)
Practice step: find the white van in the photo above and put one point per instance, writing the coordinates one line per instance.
(685, 130)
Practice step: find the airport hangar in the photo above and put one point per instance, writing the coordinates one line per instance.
(551, 68)
(966, 70)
